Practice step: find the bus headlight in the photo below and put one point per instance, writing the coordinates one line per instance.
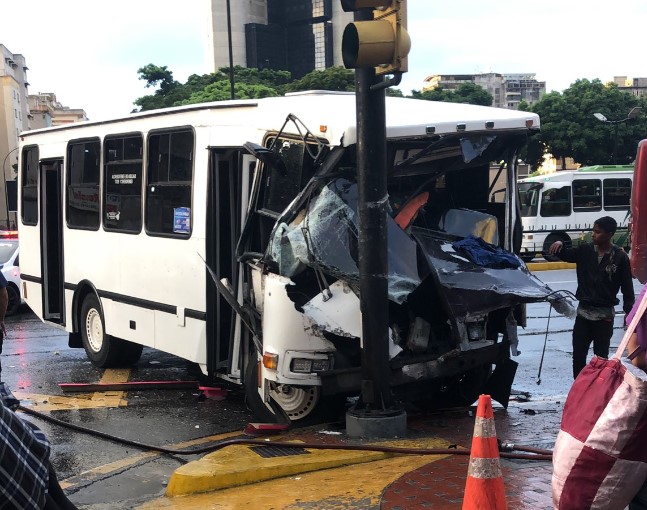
(307, 366)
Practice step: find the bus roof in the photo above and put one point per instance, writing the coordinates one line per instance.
(568, 175)
(331, 115)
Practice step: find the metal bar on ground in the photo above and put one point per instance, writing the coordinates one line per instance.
(128, 386)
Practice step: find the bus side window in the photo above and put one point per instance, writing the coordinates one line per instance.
(556, 202)
(83, 184)
(617, 193)
(122, 200)
(587, 195)
(170, 176)
(29, 192)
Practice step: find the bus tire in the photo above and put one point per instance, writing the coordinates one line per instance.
(252, 396)
(301, 404)
(550, 240)
(14, 300)
(104, 350)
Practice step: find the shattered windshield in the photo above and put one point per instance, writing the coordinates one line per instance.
(436, 199)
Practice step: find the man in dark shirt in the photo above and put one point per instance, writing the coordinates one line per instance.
(602, 270)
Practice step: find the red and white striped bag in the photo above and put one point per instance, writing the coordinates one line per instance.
(600, 456)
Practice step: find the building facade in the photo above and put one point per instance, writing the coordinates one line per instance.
(14, 118)
(635, 86)
(46, 111)
(522, 87)
(507, 90)
(290, 35)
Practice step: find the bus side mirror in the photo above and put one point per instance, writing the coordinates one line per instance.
(268, 157)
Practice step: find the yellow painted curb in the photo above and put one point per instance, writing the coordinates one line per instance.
(239, 465)
(546, 266)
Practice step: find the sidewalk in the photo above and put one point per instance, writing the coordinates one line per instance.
(387, 482)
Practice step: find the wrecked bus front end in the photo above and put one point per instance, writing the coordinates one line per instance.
(456, 291)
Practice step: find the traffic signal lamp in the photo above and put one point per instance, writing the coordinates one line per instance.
(383, 42)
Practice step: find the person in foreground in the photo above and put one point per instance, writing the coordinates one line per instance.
(602, 270)
(27, 479)
(637, 353)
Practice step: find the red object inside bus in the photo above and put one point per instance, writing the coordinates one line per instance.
(638, 227)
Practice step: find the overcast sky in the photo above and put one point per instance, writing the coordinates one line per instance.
(88, 53)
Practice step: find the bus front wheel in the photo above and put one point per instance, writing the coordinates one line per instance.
(104, 350)
(550, 240)
(298, 402)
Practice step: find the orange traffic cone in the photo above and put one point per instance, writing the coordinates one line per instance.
(484, 487)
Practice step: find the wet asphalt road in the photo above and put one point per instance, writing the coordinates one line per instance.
(98, 474)
(36, 358)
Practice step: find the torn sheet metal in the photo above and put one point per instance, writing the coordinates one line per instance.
(469, 288)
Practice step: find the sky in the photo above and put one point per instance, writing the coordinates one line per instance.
(88, 53)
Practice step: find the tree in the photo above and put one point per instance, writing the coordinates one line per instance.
(248, 83)
(333, 78)
(465, 93)
(569, 129)
(221, 91)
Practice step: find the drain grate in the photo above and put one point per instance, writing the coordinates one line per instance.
(268, 452)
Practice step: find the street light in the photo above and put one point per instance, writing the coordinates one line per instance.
(633, 113)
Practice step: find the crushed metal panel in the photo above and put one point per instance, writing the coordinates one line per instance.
(470, 288)
(339, 315)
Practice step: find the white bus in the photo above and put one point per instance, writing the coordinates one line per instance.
(562, 206)
(117, 216)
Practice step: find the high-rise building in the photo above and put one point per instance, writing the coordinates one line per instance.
(291, 35)
(14, 118)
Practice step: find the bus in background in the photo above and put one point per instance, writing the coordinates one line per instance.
(226, 234)
(638, 226)
(562, 206)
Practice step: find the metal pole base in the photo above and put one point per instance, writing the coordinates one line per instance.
(376, 424)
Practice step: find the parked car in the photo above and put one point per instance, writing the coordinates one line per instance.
(11, 271)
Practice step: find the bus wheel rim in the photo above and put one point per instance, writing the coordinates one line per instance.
(297, 402)
(94, 330)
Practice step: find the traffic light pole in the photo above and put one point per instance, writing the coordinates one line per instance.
(374, 415)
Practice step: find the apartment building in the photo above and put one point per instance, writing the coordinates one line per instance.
(291, 35)
(635, 86)
(46, 111)
(507, 90)
(14, 118)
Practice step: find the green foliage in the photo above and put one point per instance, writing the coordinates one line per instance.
(465, 93)
(569, 129)
(221, 91)
(248, 84)
(333, 78)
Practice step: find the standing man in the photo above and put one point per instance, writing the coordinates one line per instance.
(602, 270)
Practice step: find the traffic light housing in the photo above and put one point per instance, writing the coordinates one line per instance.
(383, 42)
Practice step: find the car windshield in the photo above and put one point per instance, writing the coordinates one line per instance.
(6, 251)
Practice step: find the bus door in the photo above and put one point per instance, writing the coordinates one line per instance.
(227, 201)
(52, 239)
